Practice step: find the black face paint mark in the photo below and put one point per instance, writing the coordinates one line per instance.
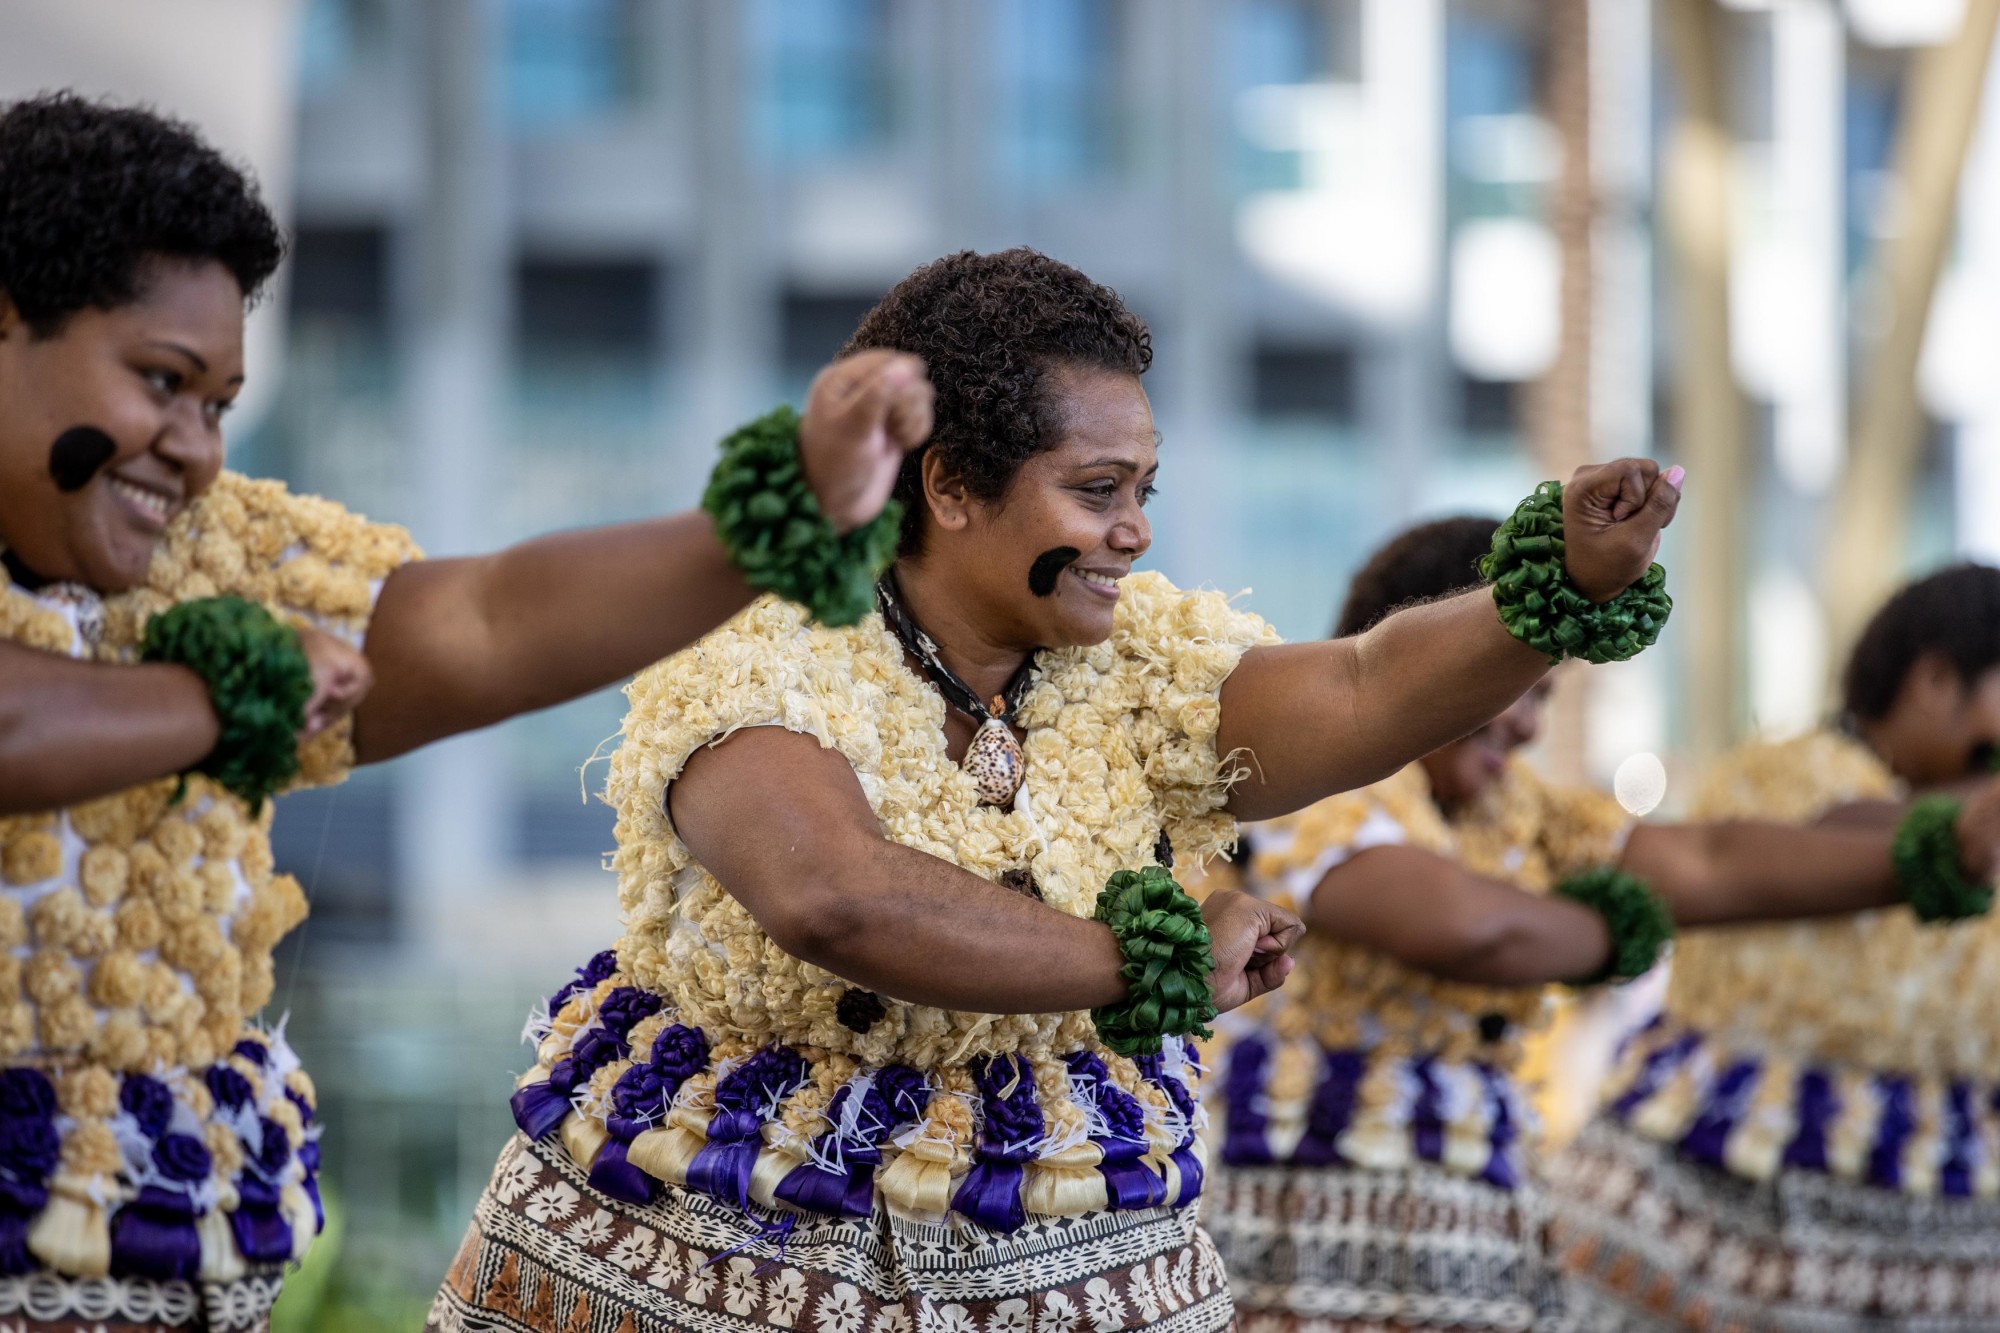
(1985, 758)
(76, 456)
(1048, 567)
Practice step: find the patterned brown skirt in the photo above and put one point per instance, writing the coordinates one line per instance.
(51, 1303)
(1312, 1249)
(1655, 1244)
(548, 1254)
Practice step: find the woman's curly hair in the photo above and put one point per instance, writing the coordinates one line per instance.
(89, 192)
(994, 329)
(1954, 613)
(1422, 564)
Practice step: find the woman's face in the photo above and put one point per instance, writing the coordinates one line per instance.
(1462, 771)
(112, 426)
(1943, 727)
(1042, 563)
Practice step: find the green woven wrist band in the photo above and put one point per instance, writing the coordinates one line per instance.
(259, 682)
(1543, 609)
(1928, 867)
(1167, 962)
(1639, 922)
(769, 522)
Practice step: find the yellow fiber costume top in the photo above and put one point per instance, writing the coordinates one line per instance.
(1362, 1061)
(1864, 1046)
(145, 1127)
(704, 1055)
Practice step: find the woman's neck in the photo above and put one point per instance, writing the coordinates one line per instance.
(980, 659)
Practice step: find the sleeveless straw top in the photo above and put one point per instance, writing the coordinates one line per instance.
(146, 1127)
(699, 1053)
(1867, 1046)
(1361, 1061)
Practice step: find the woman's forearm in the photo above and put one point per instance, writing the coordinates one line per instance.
(1430, 913)
(74, 731)
(1316, 718)
(461, 644)
(919, 929)
(1714, 874)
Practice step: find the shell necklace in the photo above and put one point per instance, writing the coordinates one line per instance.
(994, 758)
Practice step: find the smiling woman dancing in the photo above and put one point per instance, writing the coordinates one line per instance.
(177, 644)
(897, 1032)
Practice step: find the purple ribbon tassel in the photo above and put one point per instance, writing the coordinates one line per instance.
(1244, 1120)
(1961, 1142)
(1898, 1122)
(744, 1099)
(1815, 1105)
(1723, 1107)
(1427, 1116)
(1653, 1073)
(1332, 1109)
(1154, 1068)
(1128, 1181)
(1501, 1171)
(154, 1236)
(895, 1097)
(262, 1234)
(991, 1192)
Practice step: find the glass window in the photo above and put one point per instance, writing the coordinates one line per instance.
(825, 77)
(1318, 382)
(1276, 50)
(1059, 72)
(567, 60)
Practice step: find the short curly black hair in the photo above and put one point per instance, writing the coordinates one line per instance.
(993, 329)
(90, 191)
(1420, 564)
(1954, 613)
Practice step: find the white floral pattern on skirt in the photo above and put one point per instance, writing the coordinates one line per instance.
(1654, 1243)
(548, 1254)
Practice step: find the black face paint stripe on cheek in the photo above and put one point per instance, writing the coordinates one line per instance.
(1048, 567)
(76, 456)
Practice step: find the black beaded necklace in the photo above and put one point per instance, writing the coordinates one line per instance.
(994, 758)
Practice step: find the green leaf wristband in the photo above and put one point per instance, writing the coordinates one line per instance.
(1543, 609)
(1638, 921)
(771, 525)
(1160, 931)
(259, 682)
(1928, 867)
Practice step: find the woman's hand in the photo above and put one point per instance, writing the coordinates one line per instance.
(341, 679)
(1251, 940)
(1978, 830)
(1613, 515)
(863, 413)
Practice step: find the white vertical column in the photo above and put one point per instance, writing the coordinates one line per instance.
(1627, 703)
(453, 302)
(1621, 150)
(1402, 45)
(727, 337)
(1976, 461)
(1808, 64)
(1204, 342)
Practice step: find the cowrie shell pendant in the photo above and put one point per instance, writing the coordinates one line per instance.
(995, 761)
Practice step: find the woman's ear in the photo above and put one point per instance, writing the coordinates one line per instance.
(944, 493)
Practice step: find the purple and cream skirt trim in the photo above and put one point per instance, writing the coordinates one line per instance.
(1293, 1102)
(1751, 1113)
(205, 1176)
(638, 1100)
